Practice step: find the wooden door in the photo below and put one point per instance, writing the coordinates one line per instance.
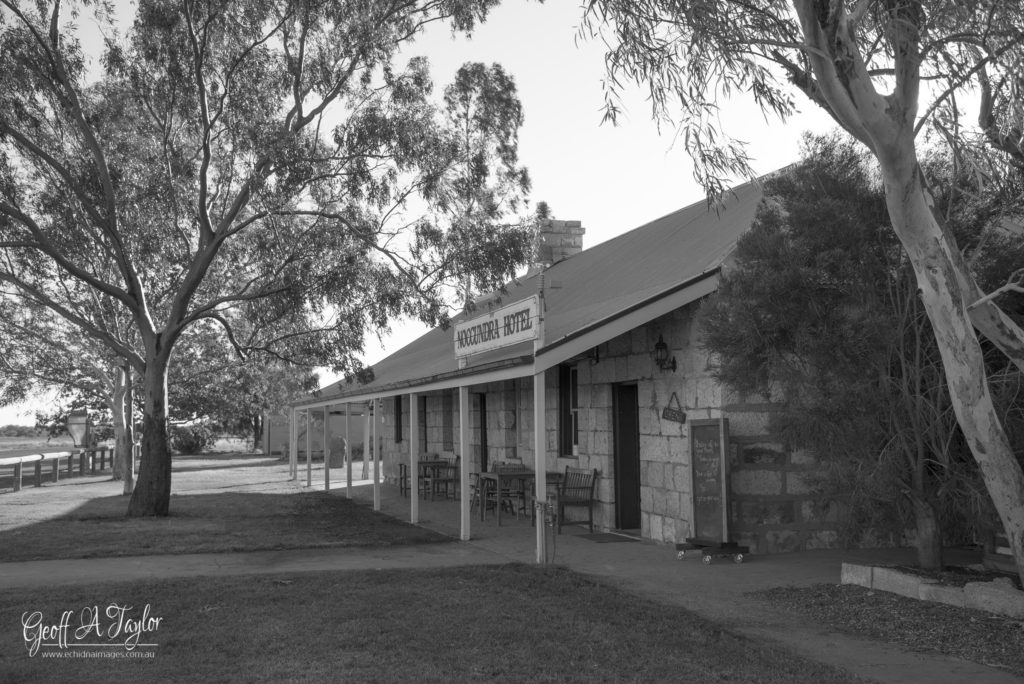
(627, 457)
(483, 432)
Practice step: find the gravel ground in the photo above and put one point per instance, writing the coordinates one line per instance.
(992, 640)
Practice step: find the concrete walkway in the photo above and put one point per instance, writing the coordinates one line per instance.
(649, 570)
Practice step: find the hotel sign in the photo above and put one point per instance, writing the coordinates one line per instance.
(517, 322)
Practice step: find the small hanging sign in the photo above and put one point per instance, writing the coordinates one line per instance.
(674, 410)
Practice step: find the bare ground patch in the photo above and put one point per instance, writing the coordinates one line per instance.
(925, 626)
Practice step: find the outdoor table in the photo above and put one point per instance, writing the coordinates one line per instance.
(505, 477)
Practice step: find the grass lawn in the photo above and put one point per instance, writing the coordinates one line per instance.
(219, 502)
(504, 623)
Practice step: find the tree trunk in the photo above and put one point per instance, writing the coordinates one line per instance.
(929, 535)
(127, 449)
(117, 419)
(257, 431)
(121, 412)
(152, 495)
(945, 285)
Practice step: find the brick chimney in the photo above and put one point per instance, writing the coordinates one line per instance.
(556, 240)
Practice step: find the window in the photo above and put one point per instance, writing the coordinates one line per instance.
(568, 410)
(398, 418)
(448, 422)
(423, 424)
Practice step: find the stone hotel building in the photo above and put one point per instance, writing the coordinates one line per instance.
(626, 388)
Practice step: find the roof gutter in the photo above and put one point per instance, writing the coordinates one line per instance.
(358, 394)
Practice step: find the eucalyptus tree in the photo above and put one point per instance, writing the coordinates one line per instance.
(820, 312)
(247, 164)
(485, 184)
(41, 351)
(884, 70)
(209, 382)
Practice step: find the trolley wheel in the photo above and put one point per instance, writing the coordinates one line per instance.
(707, 560)
(681, 555)
(738, 558)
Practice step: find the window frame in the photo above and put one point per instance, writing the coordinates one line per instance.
(568, 411)
(423, 424)
(398, 418)
(448, 421)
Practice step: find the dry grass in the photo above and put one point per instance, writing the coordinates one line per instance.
(226, 502)
(924, 626)
(501, 623)
(34, 442)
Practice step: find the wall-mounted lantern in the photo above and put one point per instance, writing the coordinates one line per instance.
(661, 356)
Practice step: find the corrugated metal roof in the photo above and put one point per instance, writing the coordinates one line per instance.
(585, 290)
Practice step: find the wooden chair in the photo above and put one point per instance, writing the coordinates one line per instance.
(576, 489)
(403, 479)
(446, 478)
(513, 496)
(474, 491)
(426, 481)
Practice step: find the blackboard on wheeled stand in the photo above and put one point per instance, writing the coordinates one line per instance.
(709, 473)
(708, 444)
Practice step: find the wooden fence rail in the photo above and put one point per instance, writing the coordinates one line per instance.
(88, 460)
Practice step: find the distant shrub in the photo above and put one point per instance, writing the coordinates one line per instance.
(19, 431)
(191, 439)
(103, 432)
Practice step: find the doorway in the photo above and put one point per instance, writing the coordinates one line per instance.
(482, 435)
(626, 436)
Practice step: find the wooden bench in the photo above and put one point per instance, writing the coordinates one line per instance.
(576, 489)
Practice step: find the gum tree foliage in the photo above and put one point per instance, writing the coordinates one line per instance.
(866, 63)
(211, 384)
(820, 313)
(248, 163)
(484, 116)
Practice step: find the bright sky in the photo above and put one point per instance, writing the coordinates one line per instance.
(613, 179)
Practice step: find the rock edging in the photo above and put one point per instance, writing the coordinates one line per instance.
(998, 596)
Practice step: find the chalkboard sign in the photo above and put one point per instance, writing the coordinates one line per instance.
(708, 441)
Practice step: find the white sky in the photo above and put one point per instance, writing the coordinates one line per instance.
(613, 179)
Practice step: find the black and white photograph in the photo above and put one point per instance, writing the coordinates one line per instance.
(521, 341)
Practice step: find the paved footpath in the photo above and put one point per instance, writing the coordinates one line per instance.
(719, 591)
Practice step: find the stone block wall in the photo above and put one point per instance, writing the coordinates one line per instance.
(771, 507)
(504, 419)
(557, 240)
(665, 501)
